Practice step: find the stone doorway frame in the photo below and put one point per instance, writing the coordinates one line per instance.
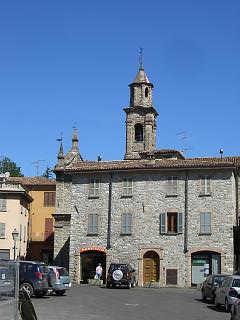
(142, 252)
(189, 261)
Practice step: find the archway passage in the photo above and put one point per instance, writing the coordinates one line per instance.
(89, 262)
(150, 267)
(203, 264)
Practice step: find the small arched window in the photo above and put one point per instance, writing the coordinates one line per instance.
(146, 92)
(138, 132)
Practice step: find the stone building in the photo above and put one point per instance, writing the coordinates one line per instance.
(170, 217)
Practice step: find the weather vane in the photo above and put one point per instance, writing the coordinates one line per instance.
(60, 139)
(141, 58)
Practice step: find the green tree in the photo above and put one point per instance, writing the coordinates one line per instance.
(48, 173)
(7, 165)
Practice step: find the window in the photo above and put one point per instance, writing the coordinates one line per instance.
(94, 188)
(138, 132)
(48, 228)
(127, 187)
(171, 222)
(126, 227)
(93, 223)
(171, 186)
(49, 199)
(4, 254)
(2, 230)
(146, 92)
(3, 203)
(205, 185)
(205, 223)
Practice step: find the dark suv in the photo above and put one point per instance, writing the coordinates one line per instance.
(121, 274)
(33, 277)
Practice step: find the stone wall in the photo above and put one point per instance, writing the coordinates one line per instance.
(148, 201)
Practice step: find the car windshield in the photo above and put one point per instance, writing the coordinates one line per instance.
(62, 271)
(218, 280)
(122, 267)
(43, 268)
(236, 283)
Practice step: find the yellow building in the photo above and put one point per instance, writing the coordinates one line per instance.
(41, 233)
(14, 216)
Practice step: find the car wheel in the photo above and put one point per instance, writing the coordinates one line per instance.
(129, 285)
(27, 287)
(216, 302)
(204, 298)
(227, 306)
(60, 293)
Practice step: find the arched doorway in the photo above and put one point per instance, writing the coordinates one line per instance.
(204, 263)
(89, 260)
(150, 267)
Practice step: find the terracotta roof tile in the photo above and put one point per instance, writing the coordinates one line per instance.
(83, 166)
(33, 180)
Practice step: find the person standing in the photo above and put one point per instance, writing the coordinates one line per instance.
(99, 271)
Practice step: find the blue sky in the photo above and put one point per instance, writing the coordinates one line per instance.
(69, 63)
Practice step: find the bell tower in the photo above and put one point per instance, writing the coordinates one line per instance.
(140, 117)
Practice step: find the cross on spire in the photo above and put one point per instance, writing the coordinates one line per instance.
(141, 58)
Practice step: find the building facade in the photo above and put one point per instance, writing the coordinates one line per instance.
(14, 215)
(170, 217)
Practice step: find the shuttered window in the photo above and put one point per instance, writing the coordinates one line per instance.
(49, 199)
(127, 187)
(205, 185)
(3, 203)
(205, 222)
(94, 188)
(48, 228)
(172, 186)
(171, 222)
(126, 226)
(93, 223)
(2, 230)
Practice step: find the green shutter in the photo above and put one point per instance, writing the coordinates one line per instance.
(163, 222)
(180, 223)
(2, 230)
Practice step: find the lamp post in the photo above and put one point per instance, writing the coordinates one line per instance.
(15, 235)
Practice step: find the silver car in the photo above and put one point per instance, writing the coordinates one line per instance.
(235, 310)
(227, 293)
(62, 280)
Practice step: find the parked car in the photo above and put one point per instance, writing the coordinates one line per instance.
(210, 284)
(121, 274)
(235, 310)
(227, 292)
(62, 280)
(33, 278)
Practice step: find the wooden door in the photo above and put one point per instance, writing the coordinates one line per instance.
(150, 267)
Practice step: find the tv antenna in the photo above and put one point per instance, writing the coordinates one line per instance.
(37, 164)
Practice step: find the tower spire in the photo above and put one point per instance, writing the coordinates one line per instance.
(60, 152)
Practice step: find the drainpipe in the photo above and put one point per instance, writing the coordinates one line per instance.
(236, 233)
(186, 215)
(109, 212)
(236, 173)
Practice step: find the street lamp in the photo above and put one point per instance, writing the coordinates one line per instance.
(15, 235)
